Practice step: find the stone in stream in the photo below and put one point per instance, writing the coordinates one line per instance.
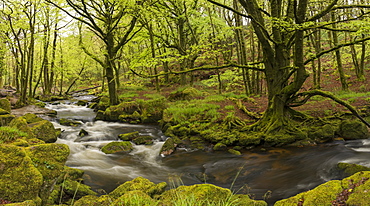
(83, 133)
(144, 139)
(114, 147)
(69, 122)
(128, 136)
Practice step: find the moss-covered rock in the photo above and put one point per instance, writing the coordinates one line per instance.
(134, 198)
(321, 195)
(75, 190)
(91, 200)
(83, 133)
(3, 111)
(82, 102)
(140, 184)
(168, 147)
(143, 139)
(350, 169)
(114, 147)
(19, 179)
(21, 124)
(69, 122)
(219, 147)
(201, 194)
(352, 190)
(5, 105)
(322, 134)
(235, 152)
(353, 129)
(128, 136)
(45, 131)
(6, 119)
(186, 93)
(10, 134)
(32, 118)
(26, 203)
(49, 159)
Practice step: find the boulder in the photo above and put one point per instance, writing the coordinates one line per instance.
(19, 179)
(144, 139)
(353, 129)
(353, 190)
(114, 147)
(4, 112)
(82, 102)
(90, 200)
(21, 124)
(322, 134)
(6, 119)
(69, 122)
(134, 198)
(32, 118)
(350, 169)
(140, 184)
(5, 105)
(83, 133)
(45, 131)
(168, 147)
(128, 136)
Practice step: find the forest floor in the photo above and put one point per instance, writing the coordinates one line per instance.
(358, 96)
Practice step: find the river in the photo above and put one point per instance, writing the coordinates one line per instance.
(274, 173)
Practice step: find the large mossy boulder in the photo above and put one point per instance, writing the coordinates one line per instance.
(19, 179)
(32, 118)
(21, 124)
(49, 159)
(322, 134)
(134, 198)
(140, 184)
(114, 147)
(91, 200)
(45, 131)
(353, 190)
(5, 105)
(205, 194)
(353, 129)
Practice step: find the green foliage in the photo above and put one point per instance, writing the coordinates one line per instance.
(9, 134)
(192, 111)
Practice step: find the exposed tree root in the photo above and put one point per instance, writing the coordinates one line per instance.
(307, 95)
(242, 107)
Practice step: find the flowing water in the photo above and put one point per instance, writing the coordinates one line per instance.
(271, 173)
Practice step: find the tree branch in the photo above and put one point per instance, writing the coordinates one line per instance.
(312, 93)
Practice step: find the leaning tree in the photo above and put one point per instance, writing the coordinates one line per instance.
(281, 27)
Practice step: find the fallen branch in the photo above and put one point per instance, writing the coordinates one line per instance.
(312, 93)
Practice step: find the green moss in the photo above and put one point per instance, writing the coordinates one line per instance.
(360, 195)
(19, 179)
(25, 203)
(6, 119)
(134, 198)
(128, 136)
(3, 112)
(90, 200)
(144, 139)
(76, 190)
(235, 152)
(201, 193)
(141, 184)
(69, 122)
(322, 134)
(353, 129)
(114, 147)
(82, 102)
(247, 139)
(49, 159)
(350, 169)
(5, 105)
(219, 146)
(9, 134)
(45, 131)
(21, 124)
(32, 118)
(168, 147)
(321, 195)
(184, 93)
